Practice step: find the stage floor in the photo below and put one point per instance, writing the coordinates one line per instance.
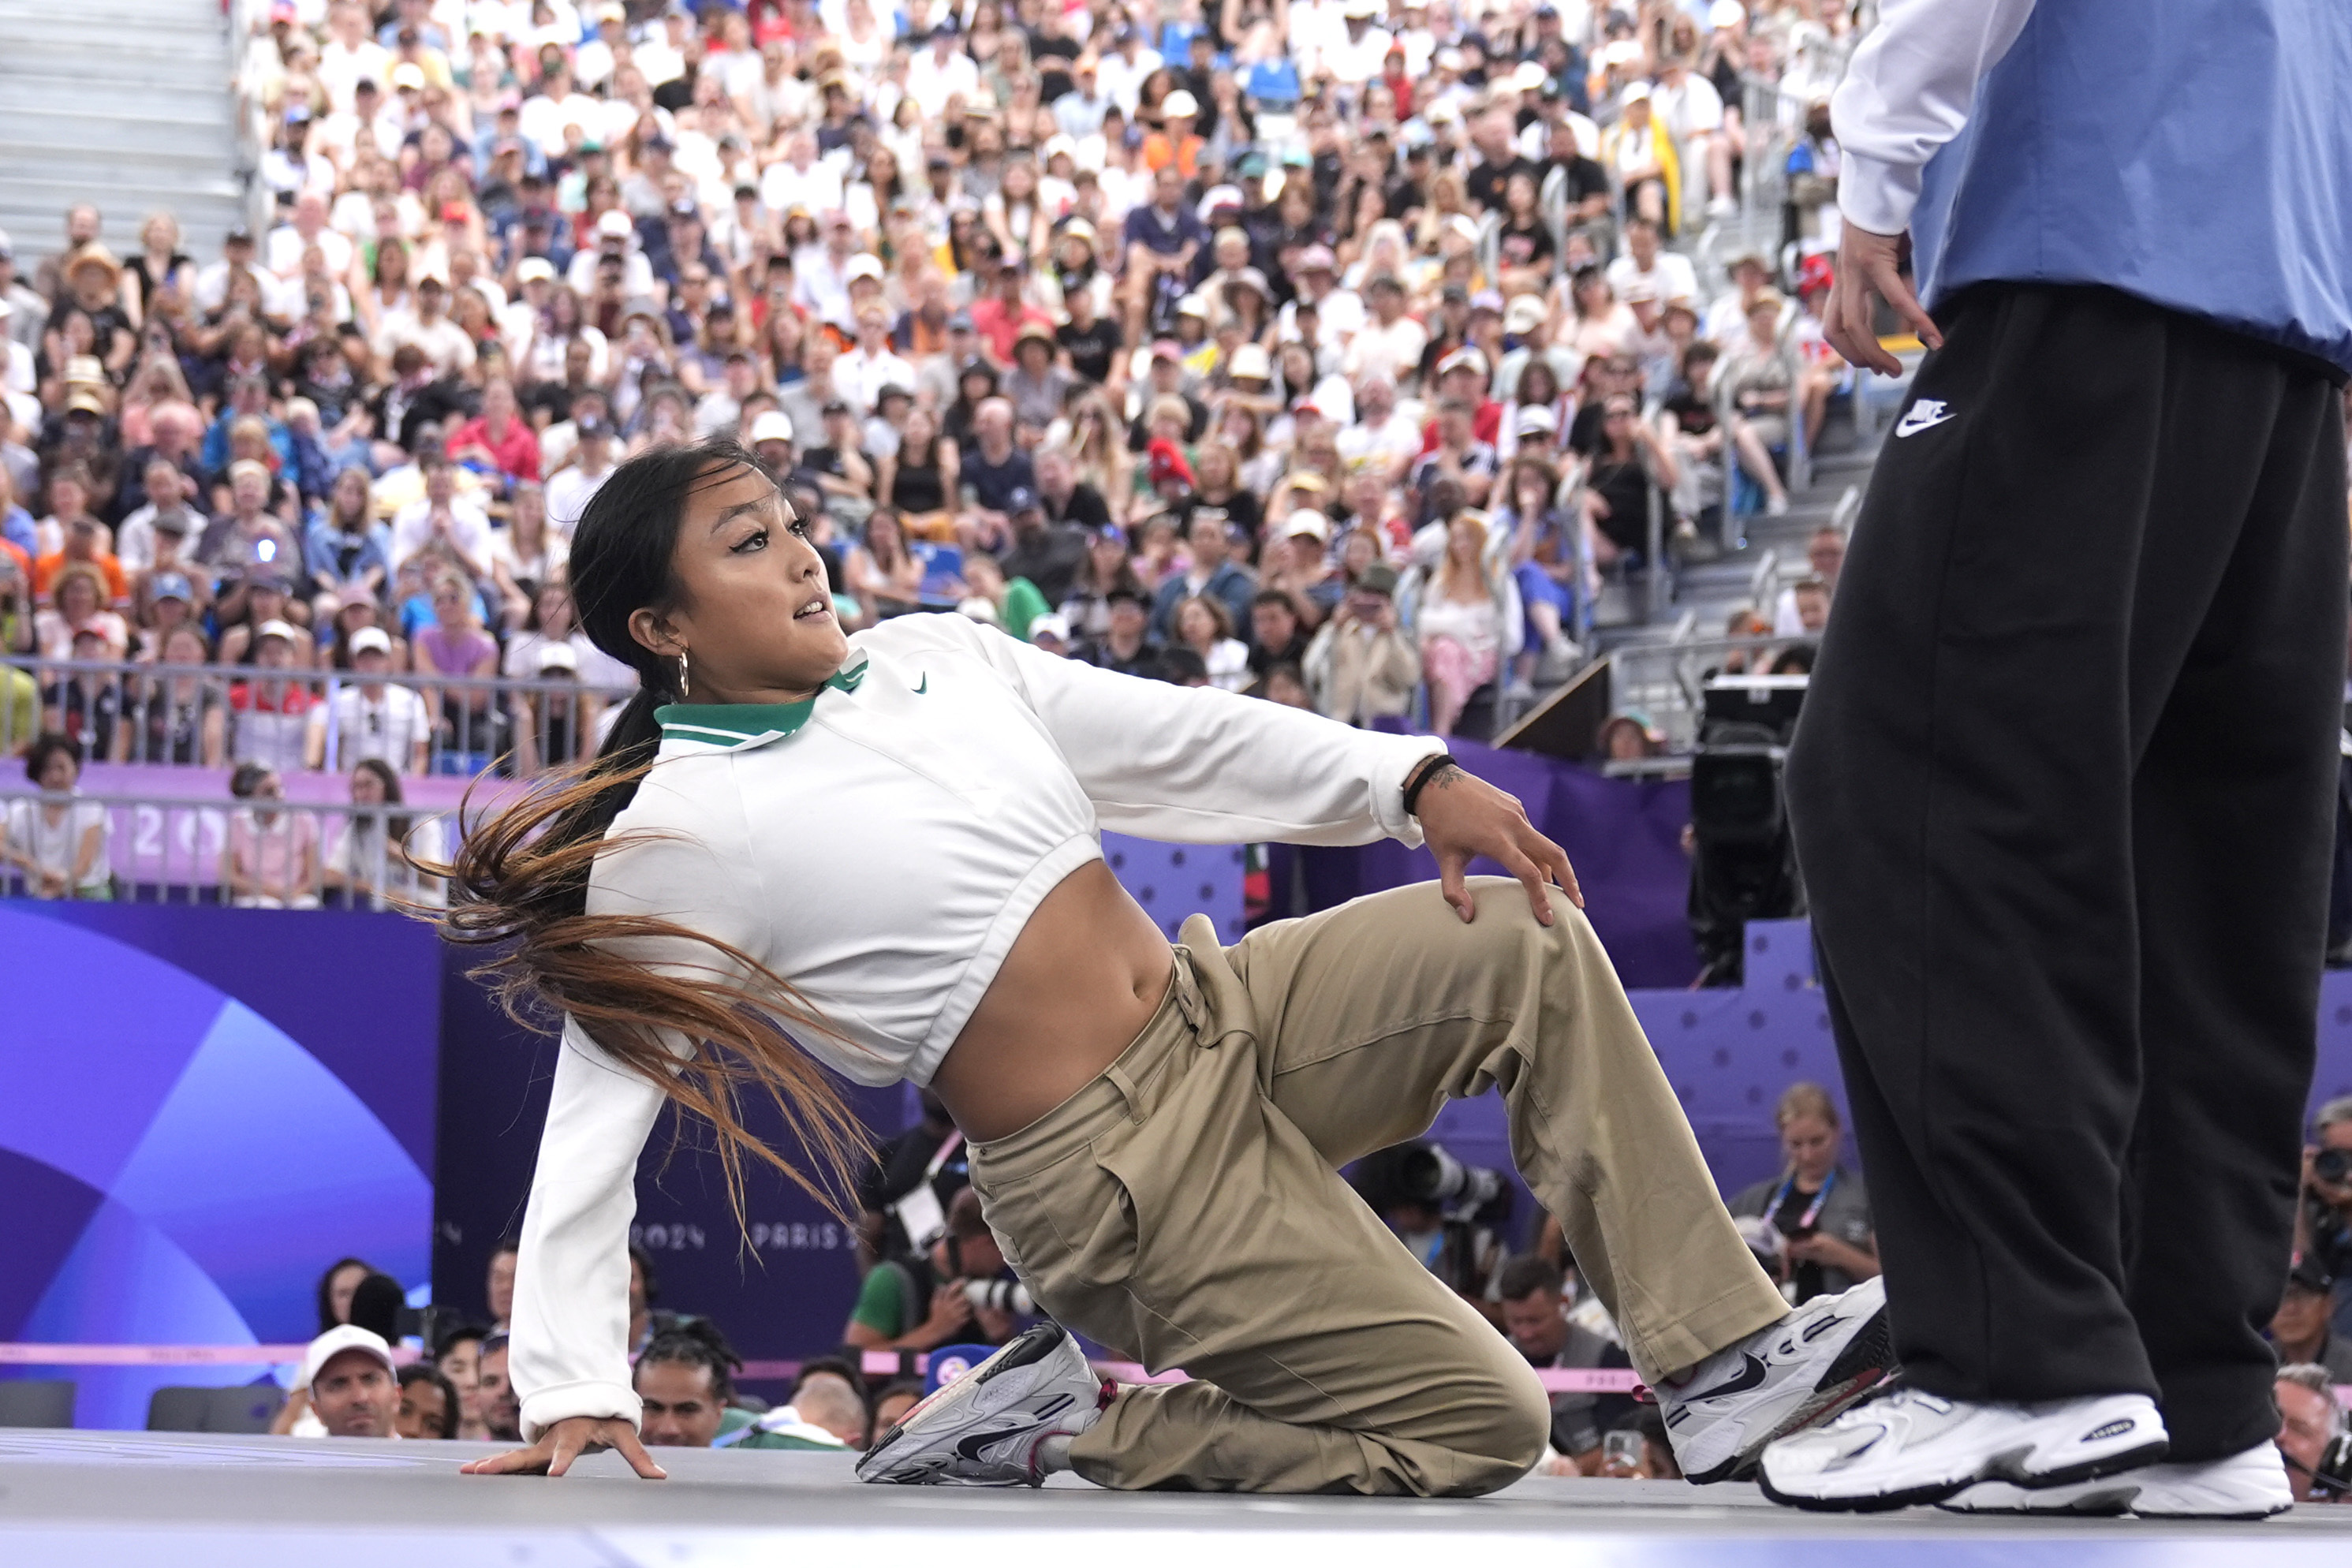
(99, 1499)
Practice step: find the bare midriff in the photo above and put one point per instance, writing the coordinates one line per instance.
(1084, 975)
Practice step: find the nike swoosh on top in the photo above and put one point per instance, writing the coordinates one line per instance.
(1748, 1376)
(926, 685)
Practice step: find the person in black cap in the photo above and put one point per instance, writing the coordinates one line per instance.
(838, 462)
(1128, 648)
(1047, 553)
(2301, 1333)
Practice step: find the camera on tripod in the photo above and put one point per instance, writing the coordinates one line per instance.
(1744, 866)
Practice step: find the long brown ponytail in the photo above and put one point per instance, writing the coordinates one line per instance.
(518, 884)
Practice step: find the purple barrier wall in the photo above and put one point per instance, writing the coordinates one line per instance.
(203, 1108)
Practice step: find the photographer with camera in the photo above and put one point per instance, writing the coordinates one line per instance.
(972, 1297)
(903, 1196)
(1447, 1213)
(2323, 1224)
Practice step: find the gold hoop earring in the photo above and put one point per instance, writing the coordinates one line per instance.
(683, 676)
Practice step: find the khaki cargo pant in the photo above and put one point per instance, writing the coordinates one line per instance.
(1185, 1208)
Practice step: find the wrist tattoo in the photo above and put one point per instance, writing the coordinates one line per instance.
(1439, 769)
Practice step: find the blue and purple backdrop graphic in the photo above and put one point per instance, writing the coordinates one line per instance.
(203, 1108)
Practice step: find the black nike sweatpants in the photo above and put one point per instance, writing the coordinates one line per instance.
(2062, 797)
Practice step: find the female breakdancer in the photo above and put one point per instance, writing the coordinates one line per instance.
(879, 853)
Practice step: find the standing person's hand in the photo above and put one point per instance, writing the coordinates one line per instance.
(1463, 816)
(1870, 264)
(565, 1441)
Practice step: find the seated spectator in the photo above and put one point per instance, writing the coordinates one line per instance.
(84, 545)
(269, 713)
(525, 554)
(2300, 1331)
(915, 1303)
(336, 1288)
(1817, 1211)
(992, 468)
(555, 723)
(59, 845)
(1128, 645)
(501, 1410)
(1466, 619)
(466, 717)
(348, 1383)
(1205, 628)
(261, 596)
(1276, 635)
(377, 856)
(428, 1404)
(1047, 553)
(169, 494)
(459, 1359)
(246, 533)
(1010, 604)
(346, 549)
(180, 718)
(498, 438)
(2310, 1419)
(498, 1282)
(881, 574)
(449, 528)
(892, 1402)
(1361, 667)
(1756, 388)
(271, 858)
(1825, 554)
(1534, 1296)
(831, 1395)
(1210, 570)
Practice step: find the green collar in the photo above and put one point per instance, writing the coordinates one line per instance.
(738, 726)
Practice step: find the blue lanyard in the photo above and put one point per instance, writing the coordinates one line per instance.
(1788, 1184)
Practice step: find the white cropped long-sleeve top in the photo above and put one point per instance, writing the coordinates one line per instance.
(881, 848)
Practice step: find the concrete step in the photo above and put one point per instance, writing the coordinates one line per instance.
(98, 131)
(36, 95)
(73, 27)
(104, 165)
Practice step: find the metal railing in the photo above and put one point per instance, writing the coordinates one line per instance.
(302, 719)
(251, 854)
(1665, 680)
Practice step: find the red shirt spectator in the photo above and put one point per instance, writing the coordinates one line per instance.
(499, 434)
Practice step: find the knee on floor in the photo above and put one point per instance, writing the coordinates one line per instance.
(1514, 1424)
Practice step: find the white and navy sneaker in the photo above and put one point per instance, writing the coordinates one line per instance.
(1800, 1371)
(2250, 1485)
(986, 1428)
(1915, 1447)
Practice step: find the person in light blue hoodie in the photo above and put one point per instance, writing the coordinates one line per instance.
(2063, 790)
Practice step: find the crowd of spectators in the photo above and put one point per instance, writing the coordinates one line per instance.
(1336, 352)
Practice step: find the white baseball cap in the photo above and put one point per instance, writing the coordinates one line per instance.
(335, 1342)
(615, 224)
(534, 269)
(775, 425)
(370, 640)
(1309, 522)
(864, 264)
(273, 630)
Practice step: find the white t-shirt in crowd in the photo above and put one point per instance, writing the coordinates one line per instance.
(388, 728)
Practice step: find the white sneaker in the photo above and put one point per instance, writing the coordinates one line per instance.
(1915, 1447)
(1803, 1370)
(986, 1428)
(2251, 1485)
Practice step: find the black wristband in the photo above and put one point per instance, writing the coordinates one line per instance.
(1427, 770)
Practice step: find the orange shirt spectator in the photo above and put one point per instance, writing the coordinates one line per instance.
(1160, 149)
(46, 570)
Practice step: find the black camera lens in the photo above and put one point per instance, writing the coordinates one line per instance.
(2333, 1166)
